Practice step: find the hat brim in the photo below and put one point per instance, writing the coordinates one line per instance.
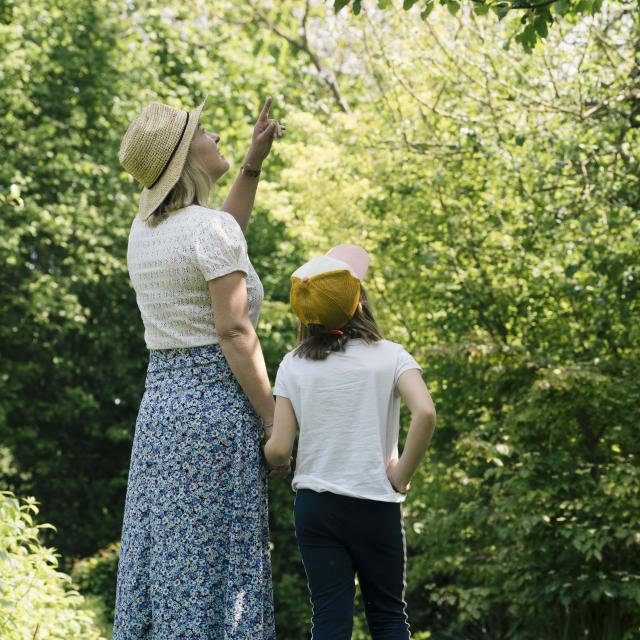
(151, 199)
(355, 256)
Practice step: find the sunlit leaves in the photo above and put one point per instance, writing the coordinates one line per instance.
(497, 193)
(535, 17)
(37, 598)
(490, 223)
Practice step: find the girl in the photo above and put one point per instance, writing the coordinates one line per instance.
(342, 385)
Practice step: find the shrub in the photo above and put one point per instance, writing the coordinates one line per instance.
(37, 601)
(97, 575)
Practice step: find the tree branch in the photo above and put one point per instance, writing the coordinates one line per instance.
(325, 74)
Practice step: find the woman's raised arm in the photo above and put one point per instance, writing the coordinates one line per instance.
(239, 202)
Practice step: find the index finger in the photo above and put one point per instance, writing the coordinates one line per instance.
(265, 109)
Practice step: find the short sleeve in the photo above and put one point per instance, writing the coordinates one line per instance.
(282, 386)
(404, 362)
(219, 247)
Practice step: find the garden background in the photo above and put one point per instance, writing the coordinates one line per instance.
(489, 164)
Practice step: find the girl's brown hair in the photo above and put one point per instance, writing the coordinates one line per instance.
(314, 345)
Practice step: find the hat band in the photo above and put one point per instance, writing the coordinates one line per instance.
(173, 153)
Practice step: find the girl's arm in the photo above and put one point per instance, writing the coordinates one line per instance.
(278, 448)
(414, 392)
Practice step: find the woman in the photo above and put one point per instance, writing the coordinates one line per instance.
(194, 559)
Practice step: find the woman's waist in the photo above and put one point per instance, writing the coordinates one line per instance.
(162, 334)
(189, 366)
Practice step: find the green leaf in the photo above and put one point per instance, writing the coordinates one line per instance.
(501, 9)
(453, 7)
(540, 25)
(338, 5)
(527, 38)
(561, 7)
(428, 8)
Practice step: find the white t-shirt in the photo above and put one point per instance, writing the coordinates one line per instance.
(169, 265)
(348, 412)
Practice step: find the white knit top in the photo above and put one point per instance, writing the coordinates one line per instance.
(169, 266)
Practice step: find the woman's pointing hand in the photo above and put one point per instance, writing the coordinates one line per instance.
(265, 131)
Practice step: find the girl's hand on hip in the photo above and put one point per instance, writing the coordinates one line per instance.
(264, 132)
(392, 474)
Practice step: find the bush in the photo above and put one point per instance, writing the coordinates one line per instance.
(37, 602)
(96, 576)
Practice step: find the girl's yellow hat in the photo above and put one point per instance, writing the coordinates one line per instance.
(326, 290)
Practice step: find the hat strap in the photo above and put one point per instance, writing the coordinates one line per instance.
(336, 332)
(173, 153)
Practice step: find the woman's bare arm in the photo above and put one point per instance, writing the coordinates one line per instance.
(239, 202)
(239, 341)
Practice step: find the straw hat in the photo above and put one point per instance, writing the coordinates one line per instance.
(154, 150)
(326, 290)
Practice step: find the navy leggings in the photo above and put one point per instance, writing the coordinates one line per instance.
(339, 537)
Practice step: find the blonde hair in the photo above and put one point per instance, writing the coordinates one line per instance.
(193, 187)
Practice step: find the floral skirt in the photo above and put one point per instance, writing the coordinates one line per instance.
(194, 560)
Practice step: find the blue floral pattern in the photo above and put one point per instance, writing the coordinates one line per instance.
(194, 560)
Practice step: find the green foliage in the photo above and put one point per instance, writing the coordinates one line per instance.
(73, 357)
(66, 381)
(498, 196)
(36, 600)
(96, 576)
(535, 18)
(497, 192)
